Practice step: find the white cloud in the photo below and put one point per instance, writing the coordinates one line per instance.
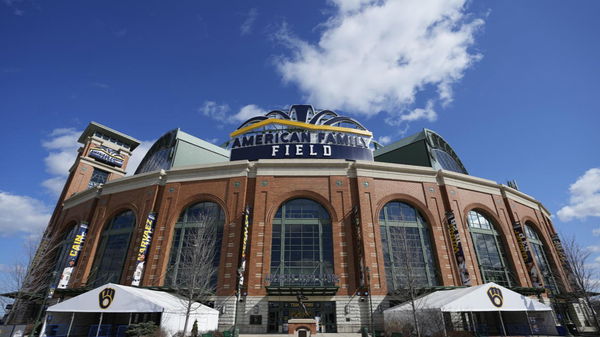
(246, 27)
(220, 112)
(596, 232)
(138, 155)
(55, 184)
(22, 214)
(593, 249)
(585, 197)
(384, 140)
(215, 111)
(246, 112)
(62, 146)
(420, 113)
(377, 55)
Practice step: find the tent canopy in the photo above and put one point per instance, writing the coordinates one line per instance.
(486, 297)
(116, 298)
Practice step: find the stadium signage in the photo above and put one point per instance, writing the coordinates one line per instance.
(301, 133)
(457, 248)
(301, 279)
(73, 256)
(107, 155)
(143, 249)
(525, 251)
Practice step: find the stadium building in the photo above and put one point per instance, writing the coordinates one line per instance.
(302, 204)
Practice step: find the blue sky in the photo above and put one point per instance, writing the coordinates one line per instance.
(511, 85)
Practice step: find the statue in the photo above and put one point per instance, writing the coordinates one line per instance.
(300, 299)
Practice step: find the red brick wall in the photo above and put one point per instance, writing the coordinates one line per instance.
(338, 194)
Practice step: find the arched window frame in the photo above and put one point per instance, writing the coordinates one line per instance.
(185, 222)
(485, 226)
(100, 275)
(280, 229)
(541, 259)
(386, 222)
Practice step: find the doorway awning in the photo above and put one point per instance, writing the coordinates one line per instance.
(486, 297)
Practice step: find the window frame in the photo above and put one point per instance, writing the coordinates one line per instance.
(282, 220)
(430, 265)
(499, 246)
(103, 241)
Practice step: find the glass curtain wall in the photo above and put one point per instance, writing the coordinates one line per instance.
(489, 249)
(407, 248)
(191, 220)
(302, 245)
(537, 250)
(112, 250)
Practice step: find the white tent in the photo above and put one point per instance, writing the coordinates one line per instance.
(489, 297)
(116, 298)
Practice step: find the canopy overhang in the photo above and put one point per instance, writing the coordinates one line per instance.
(486, 297)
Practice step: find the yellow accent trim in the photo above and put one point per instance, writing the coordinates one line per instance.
(299, 124)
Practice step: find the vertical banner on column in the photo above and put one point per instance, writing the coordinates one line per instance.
(457, 248)
(242, 267)
(526, 254)
(560, 250)
(73, 256)
(143, 250)
(358, 239)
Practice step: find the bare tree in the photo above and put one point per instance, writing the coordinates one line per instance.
(193, 278)
(582, 273)
(405, 259)
(30, 275)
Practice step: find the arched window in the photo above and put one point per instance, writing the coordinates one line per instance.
(64, 247)
(489, 249)
(196, 241)
(407, 248)
(302, 245)
(537, 250)
(112, 250)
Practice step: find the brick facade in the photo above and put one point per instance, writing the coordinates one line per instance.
(335, 184)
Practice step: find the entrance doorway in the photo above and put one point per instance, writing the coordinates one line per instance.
(281, 312)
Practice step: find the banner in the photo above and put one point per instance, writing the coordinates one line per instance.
(73, 256)
(242, 267)
(561, 251)
(107, 155)
(457, 248)
(526, 254)
(358, 237)
(143, 250)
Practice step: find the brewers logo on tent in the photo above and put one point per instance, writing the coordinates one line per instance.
(495, 295)
(105, 297)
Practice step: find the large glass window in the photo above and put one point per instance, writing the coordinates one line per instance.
(302, 245)
(112, 250)
(197, 239)
(537, 250)
(98, 177)
(407, 248)
(489, 249)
